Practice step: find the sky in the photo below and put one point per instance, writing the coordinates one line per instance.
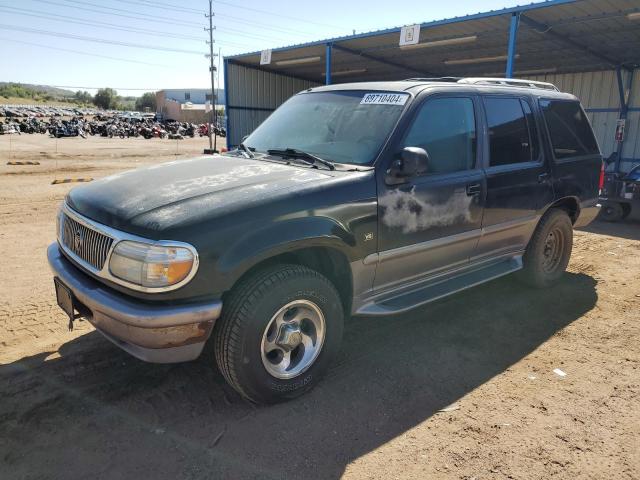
(79, 43)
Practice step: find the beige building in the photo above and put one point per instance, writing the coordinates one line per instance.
(184, 105)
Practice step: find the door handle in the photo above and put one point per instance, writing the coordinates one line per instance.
(543, 177)
(473, 189)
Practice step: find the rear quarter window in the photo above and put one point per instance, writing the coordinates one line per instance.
(569, 129)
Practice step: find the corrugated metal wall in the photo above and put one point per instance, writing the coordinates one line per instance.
(252, 95)
(598, 92)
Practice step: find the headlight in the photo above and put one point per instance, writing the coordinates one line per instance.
(151, 266)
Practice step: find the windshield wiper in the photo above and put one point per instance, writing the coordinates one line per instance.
(245, 150)
(302, 155)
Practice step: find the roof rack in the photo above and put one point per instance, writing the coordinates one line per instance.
(509, 82)
(433, 79)
(505, 82)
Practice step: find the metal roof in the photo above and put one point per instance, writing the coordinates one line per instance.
(553, 36)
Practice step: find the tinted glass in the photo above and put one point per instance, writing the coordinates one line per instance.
(569, 128)
(333, 125)
(508, 133)
(446, 129)
(533, 129)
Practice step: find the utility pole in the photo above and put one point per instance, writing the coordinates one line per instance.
(212, 69)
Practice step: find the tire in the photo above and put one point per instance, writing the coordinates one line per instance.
(549, 250)
(626, 210)
(611, 212)
(249, 336)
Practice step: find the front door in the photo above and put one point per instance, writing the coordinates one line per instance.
(432, 222)
(518, 180)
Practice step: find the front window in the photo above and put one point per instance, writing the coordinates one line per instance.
(446, 129)
(340, 126)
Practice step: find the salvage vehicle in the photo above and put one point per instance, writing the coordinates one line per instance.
(620, 192)
(361, 199)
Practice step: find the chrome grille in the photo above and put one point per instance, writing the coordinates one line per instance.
(86, 243)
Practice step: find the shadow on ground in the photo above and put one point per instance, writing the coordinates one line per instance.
(95, 412)
(628, 228)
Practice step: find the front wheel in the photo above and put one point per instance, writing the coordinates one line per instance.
(279, 330)
(549, 250)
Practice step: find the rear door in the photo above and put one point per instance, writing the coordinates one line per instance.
(517, 174)
(577, 158)
(432, 222)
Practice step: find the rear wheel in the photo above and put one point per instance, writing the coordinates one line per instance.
(612, 212)
(279, 330)
(549, 250)
(626, 210)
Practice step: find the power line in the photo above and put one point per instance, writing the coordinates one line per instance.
(168, 6)
(163, 20)
(96, 40)
(181, 22)
(40, 45)
(262, 25)
(148, 18)
(111, 26)
(298, 19)
(156, 18)
(179, 8)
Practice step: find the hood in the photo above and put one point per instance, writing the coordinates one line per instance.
(162, 196)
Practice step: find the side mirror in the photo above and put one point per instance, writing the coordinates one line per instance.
(413, 161)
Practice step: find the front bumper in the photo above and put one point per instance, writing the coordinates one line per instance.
(153, 333)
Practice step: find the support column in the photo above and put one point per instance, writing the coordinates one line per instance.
(511, 51)
(226, 102)
(624, 108)
(328, 64)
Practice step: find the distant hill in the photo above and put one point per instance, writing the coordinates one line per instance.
(54, 92)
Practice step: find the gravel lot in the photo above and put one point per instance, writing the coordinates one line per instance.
(74, 406)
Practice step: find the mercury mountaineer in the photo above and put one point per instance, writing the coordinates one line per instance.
(354, 199)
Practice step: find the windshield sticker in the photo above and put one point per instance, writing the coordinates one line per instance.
(384, 99)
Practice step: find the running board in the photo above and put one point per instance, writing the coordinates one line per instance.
(408, 300)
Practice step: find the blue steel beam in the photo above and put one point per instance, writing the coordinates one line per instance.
(544, 29)
(327, 71)
(513, 36)
(624, 108)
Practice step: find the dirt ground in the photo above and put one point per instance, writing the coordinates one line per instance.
(74, 406)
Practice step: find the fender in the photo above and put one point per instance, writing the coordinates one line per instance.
(570, 202)
(282, 237)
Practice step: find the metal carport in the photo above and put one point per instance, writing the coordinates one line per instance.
(588, 47)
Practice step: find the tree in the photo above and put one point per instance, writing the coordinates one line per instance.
(83, 97)
(148, 99)
(106, 98)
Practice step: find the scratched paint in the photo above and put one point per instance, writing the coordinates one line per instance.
(405, 210)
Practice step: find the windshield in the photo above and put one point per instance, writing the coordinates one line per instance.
(340, 126)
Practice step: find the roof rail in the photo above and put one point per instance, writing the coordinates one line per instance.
(433, 79)
(509, 82)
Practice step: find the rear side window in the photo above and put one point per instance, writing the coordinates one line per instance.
(446, 129)
(510, 140)
(571, 135)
